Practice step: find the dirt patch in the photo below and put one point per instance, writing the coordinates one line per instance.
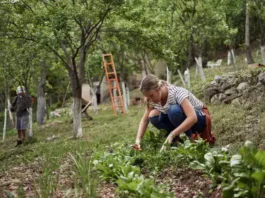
(184, 183)
(24, 179)
(187, 183)
(107, 190)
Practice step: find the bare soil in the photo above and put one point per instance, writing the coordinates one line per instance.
(184, 183)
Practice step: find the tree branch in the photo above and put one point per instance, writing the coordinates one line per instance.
(27, 5)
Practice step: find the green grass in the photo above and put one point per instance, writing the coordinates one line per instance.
(105, 128)
(229, 124)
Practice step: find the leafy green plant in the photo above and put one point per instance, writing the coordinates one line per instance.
(137, 186)
(241, 175)
(193, 151)
(154, 140)
(247, 173)
(116, 166)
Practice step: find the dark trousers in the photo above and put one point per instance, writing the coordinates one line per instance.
(175, 117)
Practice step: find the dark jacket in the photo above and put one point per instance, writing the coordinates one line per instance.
(21, 103)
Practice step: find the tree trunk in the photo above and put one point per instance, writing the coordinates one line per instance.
(41, 106)
(125, 103)
(128, 96)
(114, 93)
(262, 40)
(233, 59)
(10, 113)
(65, 95)
(262, 49)
(233, 56)
(249, 57)
(148, 63)
(77, 121)
(187, 77)
(77, 74)
(122, 68)
(168, 75)
(200, 70)
(229, 57)
(76, 90)
(7, 101)
(190, 51)
(30, 133)
(4, 128)
(181, 78)
(94, 100)
(144, 70)
(41, 110)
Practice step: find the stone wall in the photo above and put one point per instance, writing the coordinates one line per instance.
(241, 88)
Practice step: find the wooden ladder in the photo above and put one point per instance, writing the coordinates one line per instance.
(113, 83)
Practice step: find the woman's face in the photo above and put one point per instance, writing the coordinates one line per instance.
(153, 95)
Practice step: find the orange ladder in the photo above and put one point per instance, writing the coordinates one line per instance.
(113, 83)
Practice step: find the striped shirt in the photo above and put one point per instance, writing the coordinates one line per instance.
(176, 95)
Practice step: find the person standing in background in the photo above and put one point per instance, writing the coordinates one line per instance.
(21, 104)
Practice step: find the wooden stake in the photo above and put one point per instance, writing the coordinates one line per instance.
(4, 128)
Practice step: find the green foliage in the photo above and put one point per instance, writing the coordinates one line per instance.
(86, 178)
(116, 165)
(121, 165)
(241, 175)
(94, 66)
(192, 151)
(135, 186)
(154, 140)
(48, 183)
(21, 192)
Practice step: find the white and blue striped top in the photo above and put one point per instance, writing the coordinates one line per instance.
(176, 95)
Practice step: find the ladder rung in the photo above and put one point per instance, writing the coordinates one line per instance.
(115, 97)
(111, 77)
(117, 105)
(109, 63)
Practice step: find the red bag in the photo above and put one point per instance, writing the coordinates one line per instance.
(207, 134)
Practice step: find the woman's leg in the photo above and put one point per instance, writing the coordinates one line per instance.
(177, 116)
(160, 121)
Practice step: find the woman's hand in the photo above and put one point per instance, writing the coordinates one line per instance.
(137, 145)
(170, 138)
(168, 142)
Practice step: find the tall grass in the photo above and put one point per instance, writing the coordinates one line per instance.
(86, 179)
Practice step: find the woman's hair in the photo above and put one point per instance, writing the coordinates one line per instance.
(151, 82)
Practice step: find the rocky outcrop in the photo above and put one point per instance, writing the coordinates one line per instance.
(239, 88)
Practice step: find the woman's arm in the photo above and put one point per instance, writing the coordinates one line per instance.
(191, 119)
(143, 124)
